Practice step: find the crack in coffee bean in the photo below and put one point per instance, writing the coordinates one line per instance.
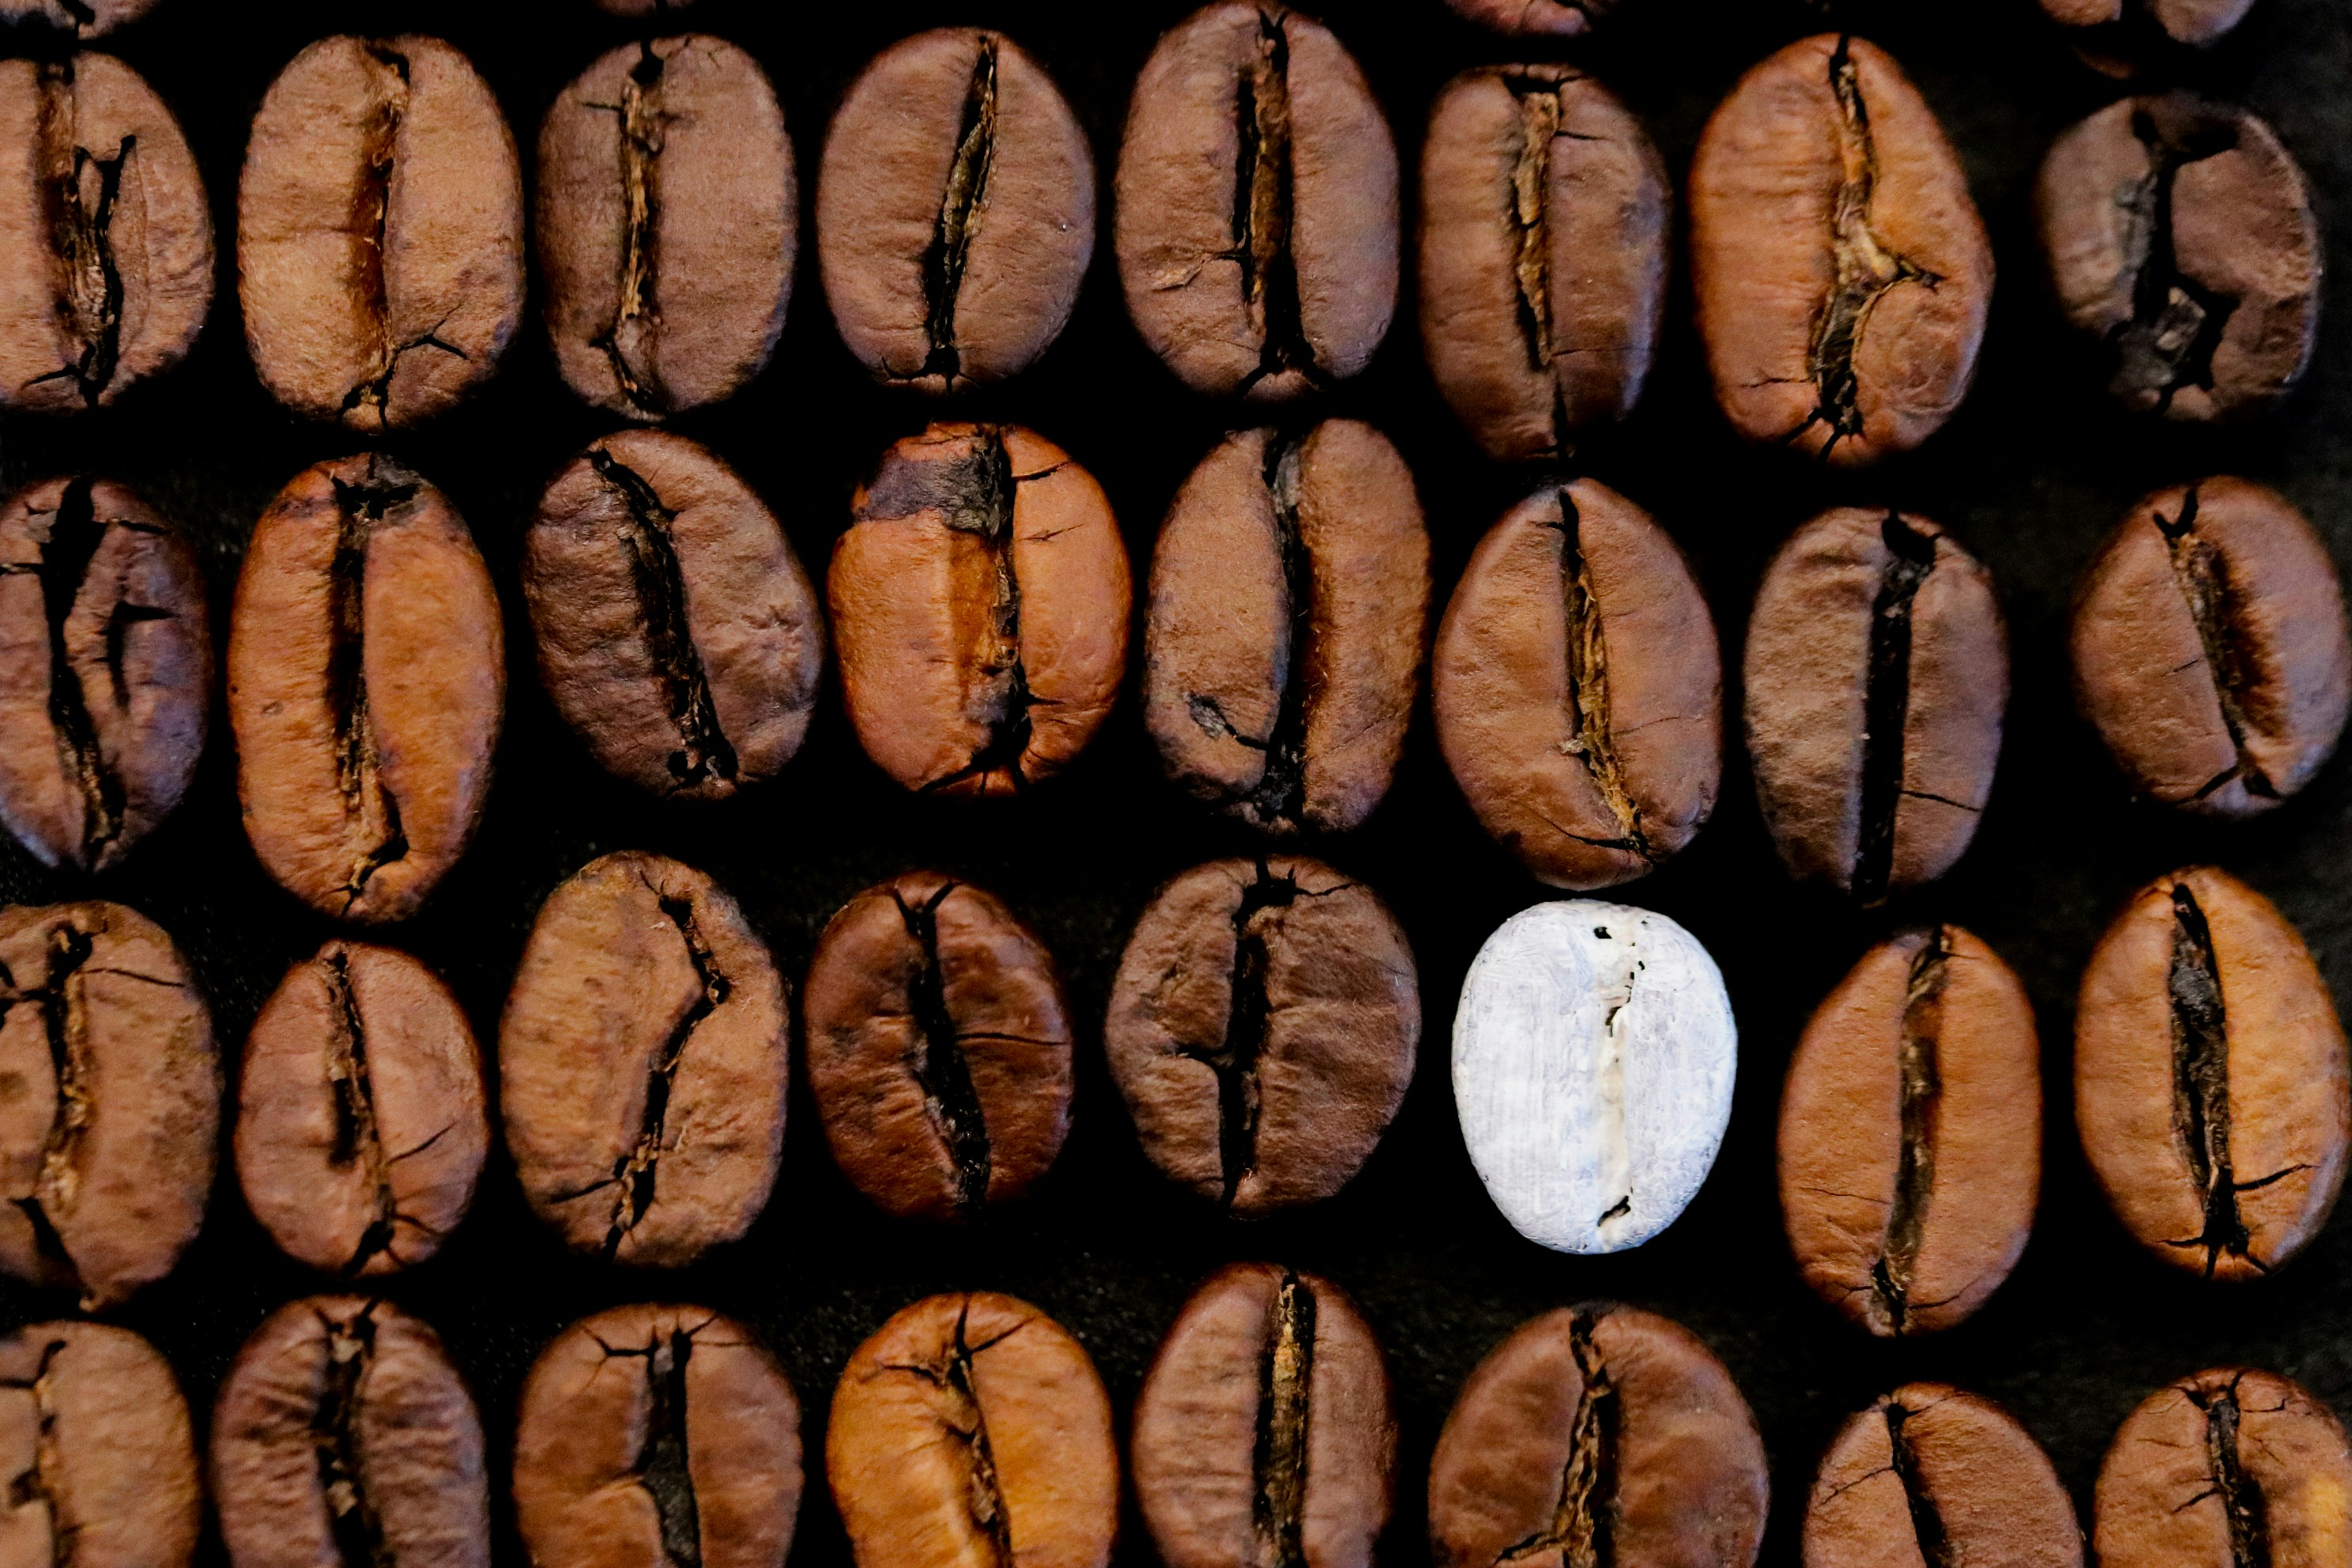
(66, 1026)
(370, 217)
(1926, 1522)
(369, 804)
(2200, 1082)
(983, 1497)
(1595, 743)
(1262, 210)
(357, 1139)
(2202, 574)
(41, 1483)
(663, 1461)
(1921, 1093)
(357, 1532)
(2176, 321)
(1540, 112)
(961, 204)
(1278, 1501)
(635, 1172)
(976, 497)
(1235, 1057)
(81, 237)
(936, 1056)
(2241, 1495)
(1616, 1155)
(1582, 1530)
(628, 343)
(1887, 703)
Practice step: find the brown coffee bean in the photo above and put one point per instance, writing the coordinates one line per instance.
(105, 235)
(1536, 18)
(1932, 1470)
(652, 1437)
(1841, 270)
(666, 223)
(1578, 689)
(366, 682)
(1256, 226)
(105, 670)
(82, 19)
(379, 232)
(94, 1439)
(980, 603)
(677, 632)
(2211, 1077)
(1876, 673)
(1544, 213)
(972, 1429)
(1264, 1432)
(1289, 621)
(956, 211)
(1598, 1434)
(2119, 36)
(1911, 1133)
(2210, 647)
(642, 1063)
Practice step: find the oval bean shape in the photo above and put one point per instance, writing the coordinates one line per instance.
(1536, 18)
(94, 1431)
(1951, 1476)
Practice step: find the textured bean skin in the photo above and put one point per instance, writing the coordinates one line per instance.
(94, 1436)
(1946, 1475)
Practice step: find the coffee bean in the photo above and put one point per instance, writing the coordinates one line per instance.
(1578, 689)
(111, 1103)
(956, 211)
(82, 19)
(980, 605)
(1256, 226)
(379, 239)
(2211, 1077)
(1593, 1054)
(1876, 671)
(1536, 18)
(1841, 270)
(1264, 1433)
(366, 682)
(94, 1437)
(1262, 1029)
(659, 1435)
(938, 1047)
(2210, 647)
(972, 1429)
(105, 670)
(1911, 1133)
(1288, 622)
(677, 632)
(642, 1063)
(343, 1435)
(1544, 214)
(2119, 37)
(1598, 1434)
(106, 238)
(1944, 1474)
(667, 221)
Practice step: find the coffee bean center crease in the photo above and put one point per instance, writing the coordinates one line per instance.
(371, 811)
(2202, 574)
(66, 1024)
(1594, 743)
(936, 1055)
(1886, 703)
(1582, 1528)
(1921, 1094)
(2176, 321)
(357, 1532)
(629, 342)
(369, 219)
(1262, 208)
(967, 1423)
(962, 202)
(2242, 1503)
(80, 191)
(1278, 1500)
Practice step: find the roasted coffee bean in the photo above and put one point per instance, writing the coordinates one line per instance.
(1598, 1434)
(666, 223)
(359, 1126)
(1911, 1133)
(343, 1435)
(1264, 1433)
(1536, 18)
(1841, 270)
(105, 670)
(658, 1438)
(2211, 1077)
(82, 19)
(1949, 1475)
(379, 232)
(642, 1063)
(1544, 211)
(2117, 37)
(2210, 647)
(938, 1047)
(109, 1100)
(94, 1439)
(1289, 621)
(955, 214)
(1262, 1029)
(972, 1429)
(677, 632)
(106, 237)
(1578, 689)
(1256, 227)
(1593, 1055)
(980, 603)
(1876, 671)
(366, 683)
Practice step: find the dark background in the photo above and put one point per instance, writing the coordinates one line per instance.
(2035, 469)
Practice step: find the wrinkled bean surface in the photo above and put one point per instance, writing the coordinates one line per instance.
(95, 1443)
(1949, 1475)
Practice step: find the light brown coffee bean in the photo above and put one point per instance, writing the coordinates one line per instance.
(94, 1439)
(1932, 1470)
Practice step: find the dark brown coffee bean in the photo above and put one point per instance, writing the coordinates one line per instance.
(666, 221)
(1257, 205)
(980, 605)
(1876, 672)
(642, 1062)
(107, 239)
(1598, 1434)
(2223, 1470)
(658, 1438)
(94, 1439)
(366, 682)
(972, 1429)
(1289, 619)
(1944, 1474)
(2119, 37)
(2210, 647)
(82, 19)
(1264, 1433)
(379, 232)
(1911, 1133)
(1544, 211)
(1841, 270)
(1536, 18)
(677, 632)
(105, 670)
(1578, 689)
(956, 211)
(2211, 1077)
